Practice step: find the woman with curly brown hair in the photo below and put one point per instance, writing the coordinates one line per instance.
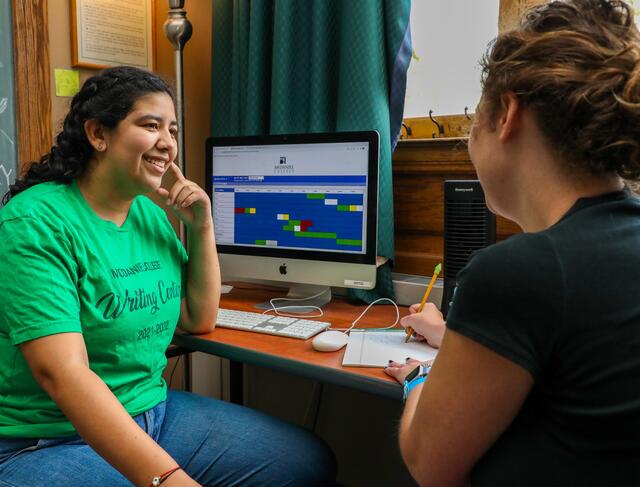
(537, 382)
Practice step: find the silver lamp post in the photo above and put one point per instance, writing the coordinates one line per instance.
(178, 30)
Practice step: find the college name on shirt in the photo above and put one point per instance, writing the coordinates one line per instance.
(114, 305)
(134, 269)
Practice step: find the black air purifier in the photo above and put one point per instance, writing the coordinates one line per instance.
(468, 226)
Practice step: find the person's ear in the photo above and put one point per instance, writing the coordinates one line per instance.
(510, 116)
(95, 135)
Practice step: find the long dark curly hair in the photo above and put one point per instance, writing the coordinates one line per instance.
(576, 64)
(107, 97)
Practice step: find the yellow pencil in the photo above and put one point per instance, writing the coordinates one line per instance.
(436, 271)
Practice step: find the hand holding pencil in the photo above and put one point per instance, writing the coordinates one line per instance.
(436, 272)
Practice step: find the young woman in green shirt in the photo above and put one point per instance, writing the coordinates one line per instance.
(94, 284)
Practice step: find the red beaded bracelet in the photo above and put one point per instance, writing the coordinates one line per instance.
(161, 478)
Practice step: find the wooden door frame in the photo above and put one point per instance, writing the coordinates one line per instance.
(32, 79)
(512, 10)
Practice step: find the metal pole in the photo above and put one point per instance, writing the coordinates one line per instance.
(178, 30)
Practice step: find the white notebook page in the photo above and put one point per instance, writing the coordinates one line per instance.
(374, 348)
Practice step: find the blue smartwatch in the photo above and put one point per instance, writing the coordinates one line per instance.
(415, 377)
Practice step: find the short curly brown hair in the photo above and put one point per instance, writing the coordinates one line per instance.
(575, 63)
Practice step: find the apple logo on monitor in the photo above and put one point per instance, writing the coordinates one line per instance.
(283, 269)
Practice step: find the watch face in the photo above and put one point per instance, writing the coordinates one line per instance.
(411, 375)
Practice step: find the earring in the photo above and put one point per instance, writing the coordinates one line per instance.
(101, 147)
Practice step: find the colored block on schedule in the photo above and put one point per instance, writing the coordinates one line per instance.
(261, 242)
(239, 210)
(353, 243)
(296, 228)
(283, 216)
(252, 210)
(315, 196)
(331, 201)
(316, 234)
(272, 243)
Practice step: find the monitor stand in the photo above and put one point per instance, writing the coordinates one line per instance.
(300, 291)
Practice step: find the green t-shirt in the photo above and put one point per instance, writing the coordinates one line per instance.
(64, 269)
(564, 304)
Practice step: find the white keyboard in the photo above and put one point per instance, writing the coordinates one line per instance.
(272, 325)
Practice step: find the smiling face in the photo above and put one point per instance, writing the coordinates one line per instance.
(141, 147)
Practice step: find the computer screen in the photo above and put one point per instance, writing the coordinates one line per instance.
(298, 208)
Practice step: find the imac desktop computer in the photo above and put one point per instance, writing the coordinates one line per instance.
(298, 210)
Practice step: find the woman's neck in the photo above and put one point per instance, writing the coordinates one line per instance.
(104, 197)
(541, 186)
(546, 201)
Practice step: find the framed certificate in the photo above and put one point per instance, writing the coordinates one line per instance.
(113, 32)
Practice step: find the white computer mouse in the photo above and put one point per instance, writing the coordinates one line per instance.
(329, 341)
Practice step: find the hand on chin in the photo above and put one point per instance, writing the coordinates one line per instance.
(187, 200)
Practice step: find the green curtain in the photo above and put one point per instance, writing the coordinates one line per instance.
(292, 66)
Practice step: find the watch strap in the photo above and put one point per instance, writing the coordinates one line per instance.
(409, 386)
(418, 378)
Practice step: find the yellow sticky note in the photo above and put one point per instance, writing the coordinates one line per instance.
(67, 82)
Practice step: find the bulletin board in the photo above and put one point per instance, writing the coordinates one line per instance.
(112, 33)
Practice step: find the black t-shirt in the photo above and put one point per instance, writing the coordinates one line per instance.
(564, 304)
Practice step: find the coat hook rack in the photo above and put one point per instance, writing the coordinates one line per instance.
(440, 127)
(407, 128)
(466, 114)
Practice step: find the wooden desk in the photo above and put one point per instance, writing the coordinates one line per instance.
(293, 355)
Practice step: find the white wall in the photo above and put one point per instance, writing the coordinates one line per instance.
(636, 6)
(449, 38)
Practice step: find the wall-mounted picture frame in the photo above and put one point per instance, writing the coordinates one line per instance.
(108, 33)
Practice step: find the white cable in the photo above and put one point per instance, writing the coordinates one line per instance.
(276, 310)
(354, 322)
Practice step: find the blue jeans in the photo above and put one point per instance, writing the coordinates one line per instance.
(215, 442)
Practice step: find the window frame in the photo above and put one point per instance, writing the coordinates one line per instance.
(457, 125)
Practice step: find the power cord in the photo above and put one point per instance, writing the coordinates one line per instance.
(354, 322)
(313, 408)
(277, 309)
(175, 365)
